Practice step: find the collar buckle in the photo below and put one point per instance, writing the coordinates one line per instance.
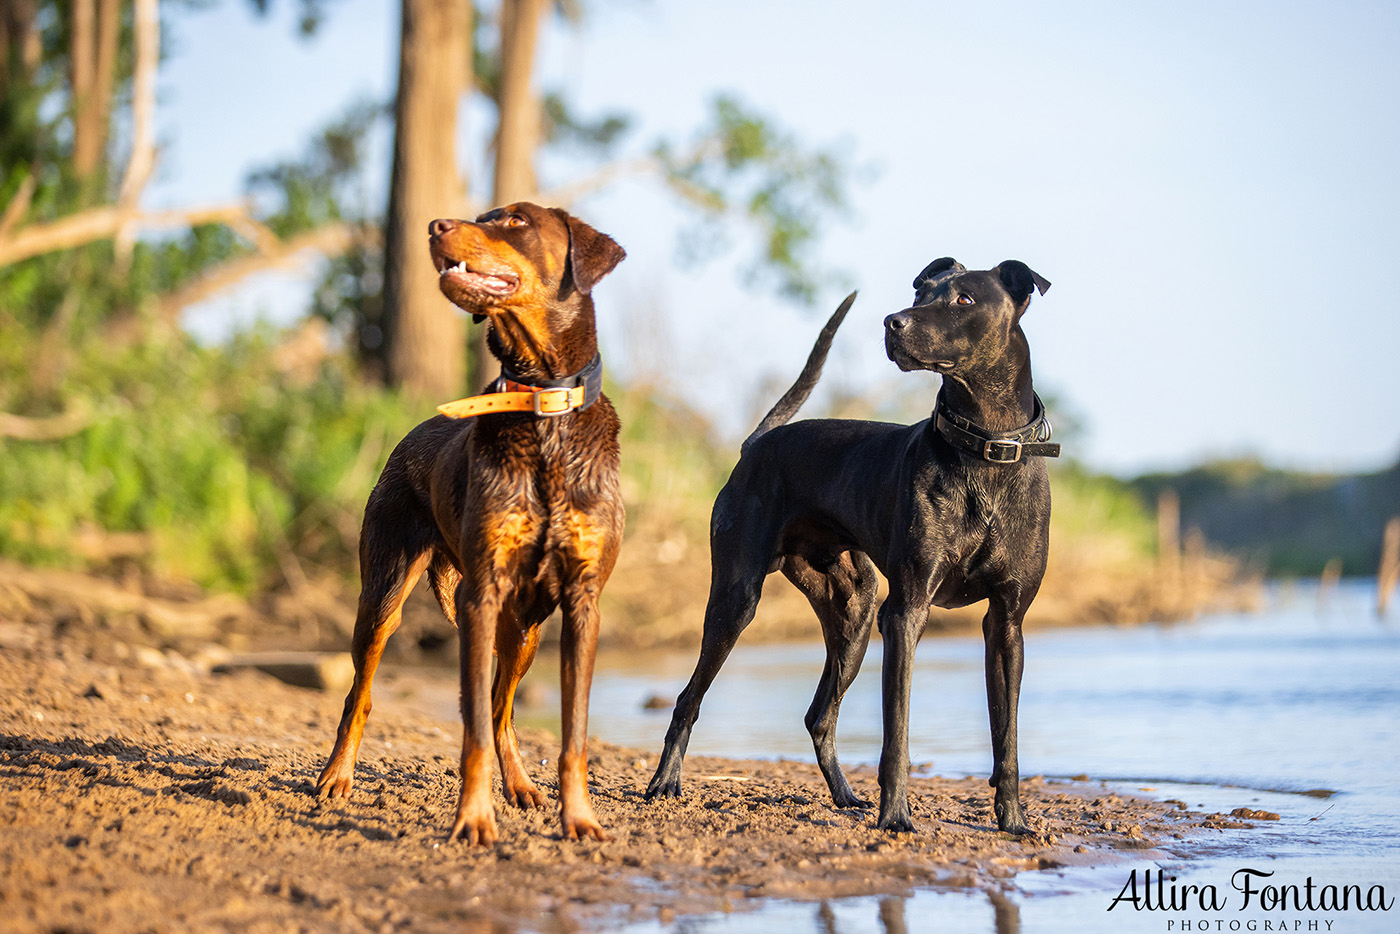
(559, 402)
(1001, 451)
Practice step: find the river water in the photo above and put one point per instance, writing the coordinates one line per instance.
(1293, 710)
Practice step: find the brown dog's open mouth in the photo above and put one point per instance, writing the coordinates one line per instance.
(499, 284)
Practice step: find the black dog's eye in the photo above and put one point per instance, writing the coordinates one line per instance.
(964, 299)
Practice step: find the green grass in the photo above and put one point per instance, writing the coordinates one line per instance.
(216, 455)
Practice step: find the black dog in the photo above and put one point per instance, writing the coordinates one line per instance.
(952, 510)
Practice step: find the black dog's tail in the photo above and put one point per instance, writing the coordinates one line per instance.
(792, 400)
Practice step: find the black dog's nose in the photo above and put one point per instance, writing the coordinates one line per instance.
(897, 322)
(440, 226)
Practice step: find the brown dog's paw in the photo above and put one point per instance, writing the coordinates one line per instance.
(584, 827)
(523, 795)
(335, 783)
(474, 828)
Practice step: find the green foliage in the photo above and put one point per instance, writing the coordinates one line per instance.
(310, 14)
(235, 461)
(741, 166)
(231, 462)
(226, 459)
(672, 467)
(1101, 513)
(563, 126)
(325, 183)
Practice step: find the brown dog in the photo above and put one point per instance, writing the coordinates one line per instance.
(512, 513)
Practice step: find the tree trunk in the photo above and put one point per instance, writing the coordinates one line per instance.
(19, 42)
(425, 334)
(82, 59)
(517, 130)
(109, 31)
(95, 30)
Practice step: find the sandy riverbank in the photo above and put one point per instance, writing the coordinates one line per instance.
(140, 797)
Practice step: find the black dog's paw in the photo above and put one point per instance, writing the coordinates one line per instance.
(663, 787)
(897, 822)
(1011, 818)
(846, 798)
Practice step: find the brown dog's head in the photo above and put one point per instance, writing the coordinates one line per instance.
(530, 270)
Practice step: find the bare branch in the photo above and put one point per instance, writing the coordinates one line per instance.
(18, 205)
(23, 428)
(605, 176)
(328, 241)
(101, 223)
(143, 103)
(143, 119)
(258, 234)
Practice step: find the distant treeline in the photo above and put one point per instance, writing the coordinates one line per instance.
(1284, 522)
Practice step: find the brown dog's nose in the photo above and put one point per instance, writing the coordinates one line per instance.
(897, 322)
(440, 226)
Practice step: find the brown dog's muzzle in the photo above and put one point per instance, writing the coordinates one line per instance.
(472, 270)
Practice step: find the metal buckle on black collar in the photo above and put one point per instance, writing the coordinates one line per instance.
(991, 448)
(1030, 440)
(590, 378)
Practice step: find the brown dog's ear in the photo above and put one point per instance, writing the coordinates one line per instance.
(1019, 280)
(592, 255)
(937, 268)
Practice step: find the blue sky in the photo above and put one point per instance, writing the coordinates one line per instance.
(1211, 187)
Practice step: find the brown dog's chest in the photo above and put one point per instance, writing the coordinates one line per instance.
(544, 507)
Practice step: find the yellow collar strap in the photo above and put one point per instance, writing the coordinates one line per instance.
(554, 398)
(549, 402)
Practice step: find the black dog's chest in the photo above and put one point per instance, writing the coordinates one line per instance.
(985, 533)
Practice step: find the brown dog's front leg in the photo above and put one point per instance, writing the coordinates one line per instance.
(515, 650)
(476, 819)
(579, 644)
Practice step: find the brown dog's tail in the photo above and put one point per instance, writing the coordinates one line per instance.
(797, 394)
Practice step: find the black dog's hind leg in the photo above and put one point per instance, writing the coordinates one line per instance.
(1001, 631)
(739, 560)
(842, 592)
(729, 611)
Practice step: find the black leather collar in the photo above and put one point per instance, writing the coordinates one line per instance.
(590, 378)
(996, 447)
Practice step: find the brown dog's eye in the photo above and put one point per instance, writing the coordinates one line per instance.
(964, 299)
(515, 220)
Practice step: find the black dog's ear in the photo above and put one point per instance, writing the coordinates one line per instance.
(1019, 279)
(592, 255)
(937, 268)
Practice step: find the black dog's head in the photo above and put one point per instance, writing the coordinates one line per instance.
(960, 319)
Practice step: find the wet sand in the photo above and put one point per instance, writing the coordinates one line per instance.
(140, 793)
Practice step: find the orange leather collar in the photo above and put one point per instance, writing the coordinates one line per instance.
(556, 397)
(547, 402)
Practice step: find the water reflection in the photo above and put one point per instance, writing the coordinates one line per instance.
(891, 916)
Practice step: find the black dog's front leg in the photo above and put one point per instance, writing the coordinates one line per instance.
(1001, 631)
(901, 624)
